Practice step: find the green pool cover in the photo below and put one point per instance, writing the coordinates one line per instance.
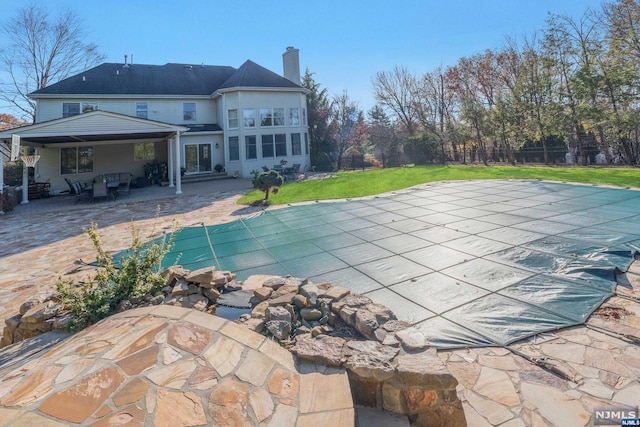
(470, 263)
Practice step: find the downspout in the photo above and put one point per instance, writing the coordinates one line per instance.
(171, 167)
(178, 161)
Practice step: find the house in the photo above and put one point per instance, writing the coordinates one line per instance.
(117, 118)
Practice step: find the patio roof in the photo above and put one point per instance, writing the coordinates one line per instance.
(92, 127)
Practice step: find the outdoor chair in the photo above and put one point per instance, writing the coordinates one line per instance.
(100, 190)
(125, 187)
(295, 170)
(80, 190)
(265, 169)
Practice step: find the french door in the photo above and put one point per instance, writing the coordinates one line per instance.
(197, 157)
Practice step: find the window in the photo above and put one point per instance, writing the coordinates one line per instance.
(74, 108)
(142, 110)
(89, 106)
(294, 117)
(70, 109)
(281, 145)
(266, 117)
(232, 117)
(189, 111)
(267, 146)
(249, 118)
(271, 117)
(306, 143)
(278, 116)
(76, 160)
(296, 144)
(234, 148)
(144, 151)
(250, 147)
(304, 117)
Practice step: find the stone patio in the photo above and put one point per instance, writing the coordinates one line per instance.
(594, 366)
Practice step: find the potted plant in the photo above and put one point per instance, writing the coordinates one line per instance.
(218, 168)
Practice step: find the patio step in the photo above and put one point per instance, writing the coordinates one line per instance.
(202, 177)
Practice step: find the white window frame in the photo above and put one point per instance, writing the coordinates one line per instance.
(83, 107)
(148, 151)
(142, 110)
(232, 118)
(294, 116)
(249, 117)
(185, 111)
(234, 140)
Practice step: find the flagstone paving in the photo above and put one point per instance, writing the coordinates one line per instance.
(163, 371)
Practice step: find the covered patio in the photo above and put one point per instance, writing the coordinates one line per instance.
(84, 146)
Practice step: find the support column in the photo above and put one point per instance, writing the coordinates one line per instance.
(171, 168)
(178, 161)
(25, 184)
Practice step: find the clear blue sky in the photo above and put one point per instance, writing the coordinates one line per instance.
(345, 43)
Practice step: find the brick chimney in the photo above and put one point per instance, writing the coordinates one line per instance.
(291, 64)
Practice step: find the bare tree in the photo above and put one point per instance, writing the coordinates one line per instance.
(40, 50)
(398, 91)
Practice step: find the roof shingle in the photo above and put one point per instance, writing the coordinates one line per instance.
(168, 79)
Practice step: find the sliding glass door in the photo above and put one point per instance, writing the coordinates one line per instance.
(197, 157)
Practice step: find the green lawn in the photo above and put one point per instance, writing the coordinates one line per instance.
(366, 183)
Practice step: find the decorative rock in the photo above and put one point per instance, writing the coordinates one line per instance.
(279, 328)
(282, 299)
(348, 315)
(274, 283)
(157, 300)
(260, 310)
(32, 302)
(424, 370)
(211, 293)
(193, 289)
(310, 291)
(262, 293)
(278, 313)
(299, 301)
(366, 323)
(203, 275)
(395, 325)
(310, 313)
(234, 285)
(412, 339)
(285, 290)
(351, 300)
(368, 366)
(180, 288)
(196, 301)
(317, 330)
(337, 292)
(42, 312)
(323, 349)
(383, 313)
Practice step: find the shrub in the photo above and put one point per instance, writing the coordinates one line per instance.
(268, 182)
(324, 163)
(138, 275)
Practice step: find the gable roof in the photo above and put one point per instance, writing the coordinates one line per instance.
(169, 79)
(253, 75)
(93, 126)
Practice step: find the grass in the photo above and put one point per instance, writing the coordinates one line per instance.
(366, 183)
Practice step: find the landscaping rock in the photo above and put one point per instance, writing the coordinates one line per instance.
(322, 349)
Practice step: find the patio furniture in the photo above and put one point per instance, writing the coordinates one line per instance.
(278, 168)
(80, 190)
(100, 190)
(125, 187)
